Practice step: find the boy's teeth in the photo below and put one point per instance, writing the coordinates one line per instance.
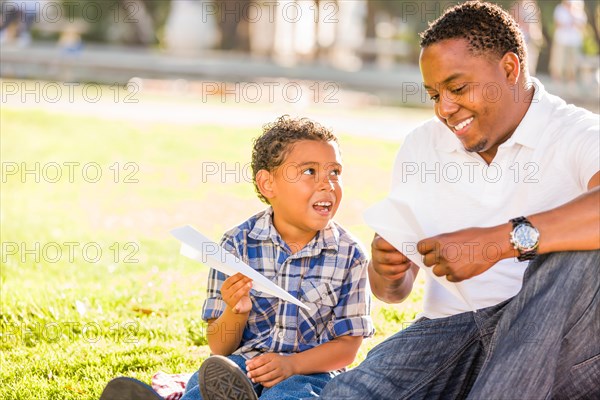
(323, 203)
(463, 124)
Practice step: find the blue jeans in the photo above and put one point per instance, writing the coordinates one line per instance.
(541, 344)
(294, 387)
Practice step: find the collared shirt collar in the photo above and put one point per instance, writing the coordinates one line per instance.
(326, 238)
(535, 120)
(526, 134)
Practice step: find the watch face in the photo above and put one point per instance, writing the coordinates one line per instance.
(526, 236)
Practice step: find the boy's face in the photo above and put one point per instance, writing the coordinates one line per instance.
(306, 188)
(474, 96)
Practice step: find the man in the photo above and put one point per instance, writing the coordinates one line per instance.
(510, 171)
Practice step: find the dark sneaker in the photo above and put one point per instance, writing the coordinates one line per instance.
(221, 379)
(128, 389)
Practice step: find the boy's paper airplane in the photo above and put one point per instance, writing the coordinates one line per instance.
(200, 248)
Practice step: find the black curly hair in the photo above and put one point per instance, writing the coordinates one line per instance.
(487, 27)
(275, 143)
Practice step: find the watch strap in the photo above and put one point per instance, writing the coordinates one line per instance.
(519, 221)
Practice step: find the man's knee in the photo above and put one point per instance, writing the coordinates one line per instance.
(581, 382)
(565, 266)
(574, 258)
(350, 385)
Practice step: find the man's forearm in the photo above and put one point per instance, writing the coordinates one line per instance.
(572, 226)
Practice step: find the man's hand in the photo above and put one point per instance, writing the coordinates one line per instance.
(391, 273)
(236, 293)
(387, 261)
(466, 253)
(270, 369)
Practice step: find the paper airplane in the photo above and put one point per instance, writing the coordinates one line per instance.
(200, 248)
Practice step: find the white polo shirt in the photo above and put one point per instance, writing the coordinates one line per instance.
(548, 161)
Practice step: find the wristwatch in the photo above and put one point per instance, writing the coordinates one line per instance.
(525, 238)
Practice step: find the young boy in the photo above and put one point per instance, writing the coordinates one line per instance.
(286, 351)
(266, 347)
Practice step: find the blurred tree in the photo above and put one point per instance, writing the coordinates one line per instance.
(134, 22)
(232, 20)
(370, 29)
(592, 8)
(129, 21)
(141, 24)
(417, 14)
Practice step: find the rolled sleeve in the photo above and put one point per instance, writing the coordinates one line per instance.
(214, 305)
(353, 309)
(355, 326)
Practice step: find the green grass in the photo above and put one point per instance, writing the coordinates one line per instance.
(70, 322)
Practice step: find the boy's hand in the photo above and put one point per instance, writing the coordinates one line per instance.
(236, 293)
(270, 369)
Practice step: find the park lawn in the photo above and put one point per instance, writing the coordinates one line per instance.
(92, 285)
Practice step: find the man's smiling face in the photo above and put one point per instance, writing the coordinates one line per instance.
(473, 95)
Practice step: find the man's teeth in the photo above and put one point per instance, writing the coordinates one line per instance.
(463, 124)
(323, 203)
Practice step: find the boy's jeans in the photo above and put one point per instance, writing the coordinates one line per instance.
(541, 344)
(295, 387)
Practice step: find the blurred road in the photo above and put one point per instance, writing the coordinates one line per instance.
(348, 115)
(360, 102)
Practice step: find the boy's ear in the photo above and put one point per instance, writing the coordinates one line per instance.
(264, 181)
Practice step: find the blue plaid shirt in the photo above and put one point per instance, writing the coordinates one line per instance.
(329, 275)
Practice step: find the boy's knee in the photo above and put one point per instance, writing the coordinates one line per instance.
(192, 382)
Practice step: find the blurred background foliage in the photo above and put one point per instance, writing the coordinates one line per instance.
(407, 17)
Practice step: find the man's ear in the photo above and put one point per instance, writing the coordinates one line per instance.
(512, 67)
(264, 181)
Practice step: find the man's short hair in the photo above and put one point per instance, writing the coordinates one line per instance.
(275, 143)
(487, 27)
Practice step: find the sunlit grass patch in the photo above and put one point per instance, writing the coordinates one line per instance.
(93, 286)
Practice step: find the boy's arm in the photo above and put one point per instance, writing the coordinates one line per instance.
(333, 355)
(271, 368)
(225, 333)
